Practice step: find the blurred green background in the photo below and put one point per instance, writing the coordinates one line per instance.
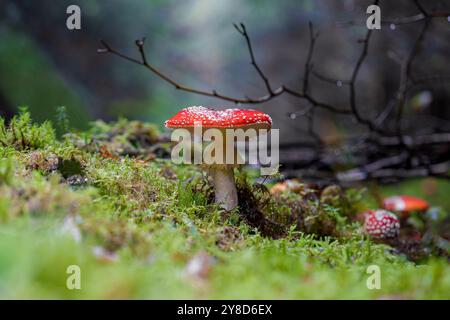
(44, 65)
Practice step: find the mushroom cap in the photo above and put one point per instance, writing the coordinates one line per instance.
(293, 185)
(228, 118)
(405, 204)
(381, 224)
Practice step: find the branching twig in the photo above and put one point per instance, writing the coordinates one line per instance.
(405, 78)
(243, 31)
(379, 152)
(273, 93)
(308, 65)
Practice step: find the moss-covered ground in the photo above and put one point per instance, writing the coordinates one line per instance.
(111, 202)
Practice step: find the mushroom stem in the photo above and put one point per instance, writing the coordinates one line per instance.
(225, 187)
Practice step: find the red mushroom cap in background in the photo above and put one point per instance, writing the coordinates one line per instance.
(381, 224)
(405, 204)
(229, 118)
(293, 185)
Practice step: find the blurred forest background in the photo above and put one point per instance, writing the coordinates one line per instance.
(44, 65)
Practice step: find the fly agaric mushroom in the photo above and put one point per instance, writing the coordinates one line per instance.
(405, 204)
(222, 173)
(381, 224)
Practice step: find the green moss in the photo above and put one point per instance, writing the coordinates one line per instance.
(22, 134)
(134, 223)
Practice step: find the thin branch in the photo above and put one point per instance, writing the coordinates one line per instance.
(406, 74)
(243, 31)
(273, 93)
(378, 152)
(140, 44)
(420, 8)
(352, 86)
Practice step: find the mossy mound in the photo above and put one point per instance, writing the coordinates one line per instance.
(110, 201)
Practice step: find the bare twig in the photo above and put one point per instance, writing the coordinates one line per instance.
(308, 65)
(405, 77)
(272, 94)
(243, 31)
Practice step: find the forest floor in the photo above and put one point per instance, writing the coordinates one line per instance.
(111, 202)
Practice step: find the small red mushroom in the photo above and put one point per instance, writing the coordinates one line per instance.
(293, 185)
(405, 204)
(381, 224)
(222, 174)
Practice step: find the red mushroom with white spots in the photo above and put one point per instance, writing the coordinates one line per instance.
(405, 204)
(222, 174)
(381, 224)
